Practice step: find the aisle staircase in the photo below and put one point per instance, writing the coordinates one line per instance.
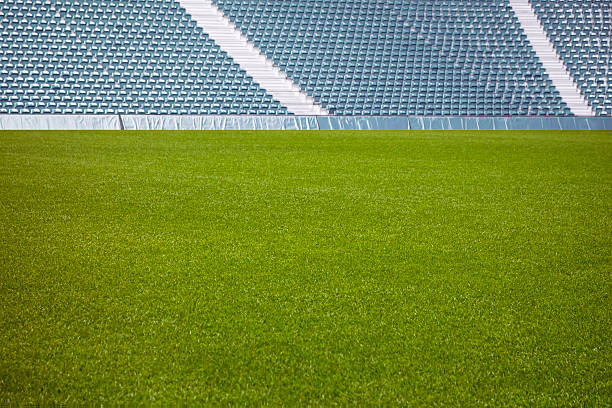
(263, 71)
(554, 66)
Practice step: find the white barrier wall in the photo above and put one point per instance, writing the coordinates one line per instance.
(210, 122)
(195, 122)
(60, 122)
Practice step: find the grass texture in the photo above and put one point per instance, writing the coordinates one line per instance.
(297, 268)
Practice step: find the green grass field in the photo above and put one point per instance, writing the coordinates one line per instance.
(297, 268)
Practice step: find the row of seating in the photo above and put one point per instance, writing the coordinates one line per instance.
(355, 57)
(580, 31)
(329, 48)
(117, 56)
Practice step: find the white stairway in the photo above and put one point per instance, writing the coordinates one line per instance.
(544, 49)
(250, 58)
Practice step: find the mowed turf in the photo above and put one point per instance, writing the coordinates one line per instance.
(297, 268)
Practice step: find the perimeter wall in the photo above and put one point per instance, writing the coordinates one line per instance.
(206, 122)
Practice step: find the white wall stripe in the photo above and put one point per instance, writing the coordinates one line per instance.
(250, 58)
(553, 64)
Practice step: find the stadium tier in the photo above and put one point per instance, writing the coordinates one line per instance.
(100, 56)
(376, 57)
(349, 57)
(580, 30)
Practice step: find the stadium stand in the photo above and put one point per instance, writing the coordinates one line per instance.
(351, 57)
(117, 56)
(580, 31)
(402, 57)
